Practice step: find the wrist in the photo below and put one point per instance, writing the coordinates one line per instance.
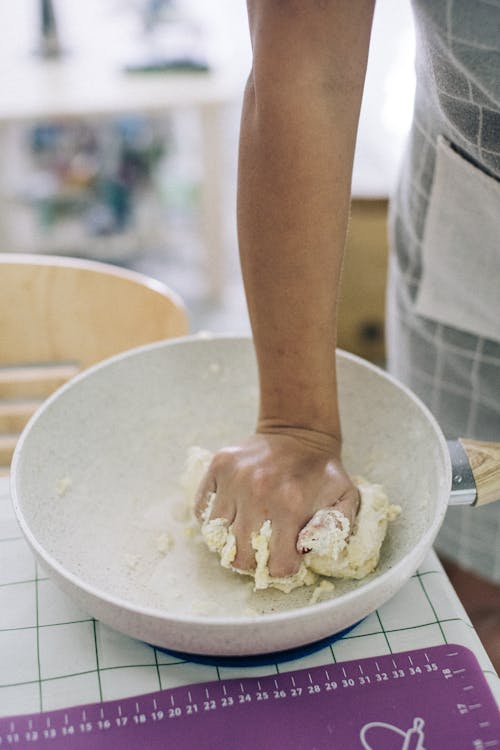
(298, 390)
(329, 442)
(310, 409)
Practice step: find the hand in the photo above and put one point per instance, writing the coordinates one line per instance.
(286, 476)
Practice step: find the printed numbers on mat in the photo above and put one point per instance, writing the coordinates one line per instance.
(413, 674)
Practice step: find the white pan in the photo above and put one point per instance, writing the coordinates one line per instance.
(96, 473)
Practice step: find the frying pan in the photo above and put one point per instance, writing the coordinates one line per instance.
(99, 463)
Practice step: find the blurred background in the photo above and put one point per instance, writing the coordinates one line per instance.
(119, 128)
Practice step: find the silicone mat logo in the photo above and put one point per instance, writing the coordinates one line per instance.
(413, 738)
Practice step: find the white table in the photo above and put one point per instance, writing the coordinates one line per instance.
(54, 655)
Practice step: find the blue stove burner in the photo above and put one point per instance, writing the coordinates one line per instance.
(260, 659)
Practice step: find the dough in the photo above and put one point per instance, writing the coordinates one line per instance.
(219, 538)
(331, 552)
(334, 556)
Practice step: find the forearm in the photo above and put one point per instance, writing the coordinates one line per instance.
(296, 151)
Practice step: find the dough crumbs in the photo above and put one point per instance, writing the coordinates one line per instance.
(132, 561)
(164, 543)
(321, 589)
(215, 533)
(62, 486)
(393, 512)
(329, 545)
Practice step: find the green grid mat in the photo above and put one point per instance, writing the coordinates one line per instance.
(53, 655)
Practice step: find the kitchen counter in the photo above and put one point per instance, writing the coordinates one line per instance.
(54, 655)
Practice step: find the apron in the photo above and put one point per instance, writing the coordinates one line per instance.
(443, 301)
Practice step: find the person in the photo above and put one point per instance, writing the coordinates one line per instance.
(297, 138)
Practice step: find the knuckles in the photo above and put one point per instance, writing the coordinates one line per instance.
(253, 486)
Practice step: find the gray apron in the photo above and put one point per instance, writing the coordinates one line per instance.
(444, 282)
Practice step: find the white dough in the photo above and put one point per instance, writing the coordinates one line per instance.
(63, 486)
(359, 555)
(333, 552)
(322, 589)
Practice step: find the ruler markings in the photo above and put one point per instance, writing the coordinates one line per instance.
(61, 721)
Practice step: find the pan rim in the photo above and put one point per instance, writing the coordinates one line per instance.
(422, 545)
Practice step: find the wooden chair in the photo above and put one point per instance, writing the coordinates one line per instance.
(60, 315)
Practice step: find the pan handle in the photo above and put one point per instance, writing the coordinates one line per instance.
(484, 459)
(476, 472)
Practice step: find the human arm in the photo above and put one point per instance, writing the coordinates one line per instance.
(297, 138)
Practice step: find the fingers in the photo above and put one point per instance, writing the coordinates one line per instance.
(321, 531)
(276, 478)
(222, 506)
(282, 561)
(245, 525)
(349, 505)
(243, 530)
(207, 486)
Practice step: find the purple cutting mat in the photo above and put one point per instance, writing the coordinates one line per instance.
(429, 699)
